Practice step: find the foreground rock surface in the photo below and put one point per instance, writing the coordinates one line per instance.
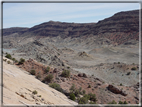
(18, 87)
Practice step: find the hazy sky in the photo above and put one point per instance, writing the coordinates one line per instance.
(31, 14)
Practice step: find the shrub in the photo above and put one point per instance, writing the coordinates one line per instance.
(21, 61)
(125, 102)
(134, 68)
(48, 78)
(128, 73)
(47, 70)
(8, 56)
(39, 96)
(72, 88)
(83, 100)
(118, 62)
(120, 84)
(38, 76)
(121, 102)
(72, 96)
(77, 92)
(65, 73)
(92, 97)
(68, 67)
(83, 91)
(34, 92)
(89, 86)
(32, 72)
(113, 102)
(5, 60)
(13, 59)
(8, 62)
(56, 86)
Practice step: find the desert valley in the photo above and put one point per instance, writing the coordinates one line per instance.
(60, 63)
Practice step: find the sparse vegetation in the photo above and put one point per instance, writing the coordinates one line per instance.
(8, 56)
(39, 96)
(92, 97)
(5, 60)
(21, 61)
(72, 89)
(34, 92)
(121, 102)
(83, 91)
(72, 96)
(118, 62)
(120, 84)
(48, 78)
(47, 69)
(65, 73)
(113, 102)
(68, 67)
(8, 62)
(56, 86)
(89, 86)
(83, 100)
(32, 72)
(128, 73)
(134, 68)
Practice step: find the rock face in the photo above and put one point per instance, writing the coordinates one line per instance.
(119, 28)
(19, 87)
(116, 90)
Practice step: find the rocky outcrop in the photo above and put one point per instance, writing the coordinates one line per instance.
(119, 28)
(82, 75)
(116, 90)
(20, 88)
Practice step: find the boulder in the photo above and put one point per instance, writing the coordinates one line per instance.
(82, 75)
(116, 90)
(55, 70)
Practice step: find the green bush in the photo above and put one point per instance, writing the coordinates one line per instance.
(77, 92)
(34, 92)
(83, 100)
(32, 72)
(8, 62)
(89, 86)
(56, 86)
(72, 88)
(134, 68)
(92, 97)
(21, 61)
(13, 59)
(113, 102)
(118, 62)
(125, 102)
(48, 78)
(65, 73)
(47, 70)
(121, 84)
(121, 102)
(8, 56)
(72, 96)
(83, 91)
(68, 67)
(5, 60)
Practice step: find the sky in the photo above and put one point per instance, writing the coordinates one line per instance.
(31, 14)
